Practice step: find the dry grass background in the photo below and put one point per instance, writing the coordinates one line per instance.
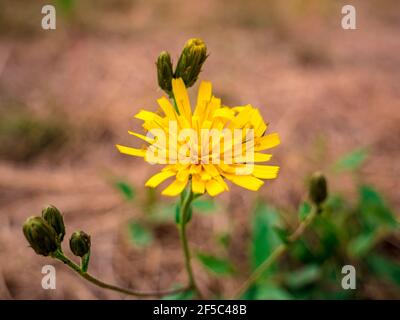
(324, 89)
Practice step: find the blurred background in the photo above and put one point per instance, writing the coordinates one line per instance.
(67, 96)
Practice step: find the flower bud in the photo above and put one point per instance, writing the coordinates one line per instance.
(40, 235)
(79, 243)
(189, 65)
(318, 188)
(164, 71)
(55, 219)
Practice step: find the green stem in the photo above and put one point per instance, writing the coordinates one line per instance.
(85, 262)
(60, 256)
(184, 211)
(282, 248)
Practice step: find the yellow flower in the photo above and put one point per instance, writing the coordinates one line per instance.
(184, 141)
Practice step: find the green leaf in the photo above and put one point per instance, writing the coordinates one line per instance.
(177, 213)
(302, 277)
(362, 244)
(189, 215)
(272, 292)
(185, 295)
(374, 210)
(352, 161)
(304, 210)
(384, 268)
(216, 265)
(126, 190)
(264, 238)
(140, 236)
(204, 205)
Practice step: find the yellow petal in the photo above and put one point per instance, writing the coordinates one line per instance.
(243, 117)
(198, 186)
(155, 180)
(261, 157)
(183, 174)
(167, 107)
(147, 116)
(174, 188)
(266, 142)
(247, 182)
(131, 151)
(258, 124)
(265, 172)
(222, 182)
(140, 136)
(205, 92)
(211, 169)
(257, 157)
(182, 98)
(213, 187)
(225, 113)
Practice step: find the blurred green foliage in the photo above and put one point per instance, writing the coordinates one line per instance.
(139, 234)
(352, 161)
(217, 265)
(345, 232)
(127, 191)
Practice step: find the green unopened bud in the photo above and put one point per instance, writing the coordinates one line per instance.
(55, 219)
(189, 65)
(40, 235)
(165, 72)
(79, 243)
(318, 188)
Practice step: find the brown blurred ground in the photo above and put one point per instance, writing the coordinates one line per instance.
(324, 89)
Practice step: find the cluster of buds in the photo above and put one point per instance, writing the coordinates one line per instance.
(318, 189)
(46, 233)
(189, 65)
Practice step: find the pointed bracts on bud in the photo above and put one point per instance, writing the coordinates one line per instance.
(55, 219)
(165, 72)
(193, 55)
(318, 190)
(40, 235)
(79, 243)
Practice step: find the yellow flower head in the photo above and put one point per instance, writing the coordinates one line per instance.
(208, 146)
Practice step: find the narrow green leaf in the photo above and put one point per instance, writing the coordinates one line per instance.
(126, 190)
(373, 209)
(177, 213)
(362, 244)
(384, 268)
(302, 277)
(216, 265)
(140, 235)
(352, 161)
(185, 295)
(272, 292)
(189, 215)
(304, 210)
